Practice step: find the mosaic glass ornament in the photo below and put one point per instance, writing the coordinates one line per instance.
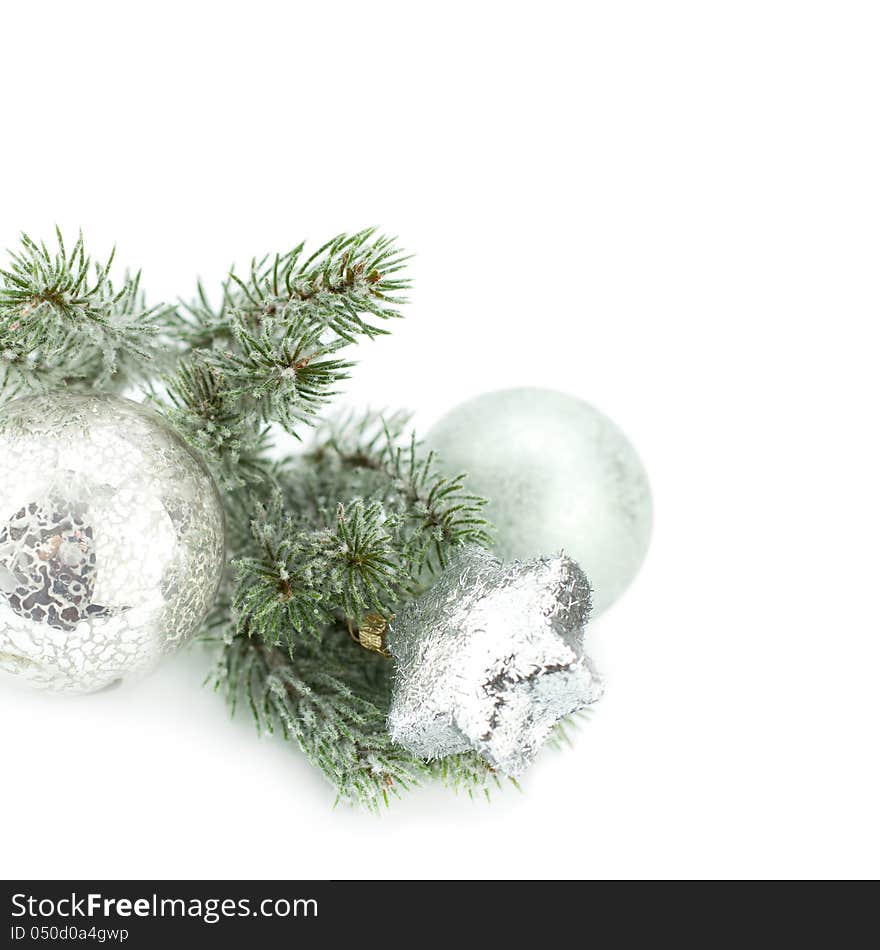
(111, 540)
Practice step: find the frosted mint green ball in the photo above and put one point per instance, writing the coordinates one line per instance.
(559, 475)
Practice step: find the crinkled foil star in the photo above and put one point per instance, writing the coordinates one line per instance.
(491, 658)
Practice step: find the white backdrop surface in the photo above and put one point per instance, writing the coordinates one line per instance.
(670, 210)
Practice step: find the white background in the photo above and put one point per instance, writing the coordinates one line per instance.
(671, 210)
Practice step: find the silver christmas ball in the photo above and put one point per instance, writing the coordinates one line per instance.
(559, 476)
(111, 540)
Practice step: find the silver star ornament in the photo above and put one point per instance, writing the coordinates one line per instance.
(491, 658)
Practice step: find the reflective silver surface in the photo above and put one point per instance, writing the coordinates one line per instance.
(491, 658)
(111, 540)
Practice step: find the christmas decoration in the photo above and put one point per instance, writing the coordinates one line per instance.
(357, 613)
(559, 475)
(111, 540)
(491, 658)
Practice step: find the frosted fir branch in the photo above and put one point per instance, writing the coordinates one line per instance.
(469, 774)
(271, 345)
(561, 736)
(273, 604)
(332, 700)
(64, 323)
(288, 373)
(445, 515)
(360, 439)
(366, 573)
(314, 568)
(199, 325)
(344, 286)
(302, 579)
(333, 711)
(437, 513)
(216, 423)
(276, 598)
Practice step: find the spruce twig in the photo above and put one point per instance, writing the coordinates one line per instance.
(63, 322)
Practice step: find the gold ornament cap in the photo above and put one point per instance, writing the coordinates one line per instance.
(370, 633)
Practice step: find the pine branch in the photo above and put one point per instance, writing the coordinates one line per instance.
(332, 699)
(301, 579)
(365, 572)
(288, 373)
(350, 280)
(445, 516)
(313, 563)
(267, 354)
(64, 323)
(213, 420)
(331, 706)
(314, 569)
(437, 514)
(467, 772)
(198, 325)
(275, 599)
